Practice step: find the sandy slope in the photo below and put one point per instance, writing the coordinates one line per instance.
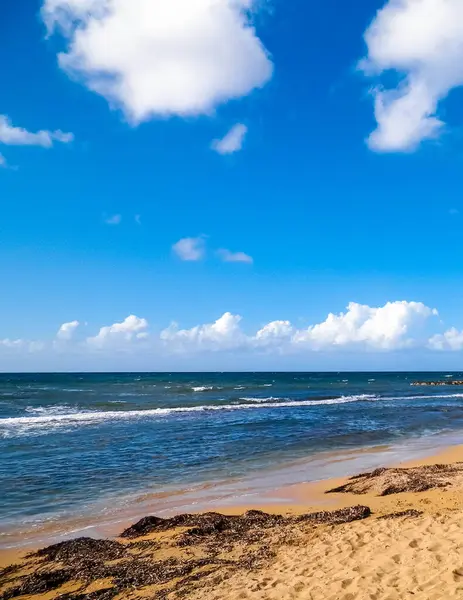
(420, 558)
(375, 559)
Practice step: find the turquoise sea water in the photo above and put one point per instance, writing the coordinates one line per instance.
(67, 441)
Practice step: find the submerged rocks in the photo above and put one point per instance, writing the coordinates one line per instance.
(436, 383)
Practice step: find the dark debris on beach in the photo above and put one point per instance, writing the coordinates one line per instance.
(410, 513)
(204, 545)
(384, 482)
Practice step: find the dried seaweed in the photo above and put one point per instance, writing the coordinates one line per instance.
(38, 583)
(411, 512)
(384, 482)
(82, 548)
(85, 560)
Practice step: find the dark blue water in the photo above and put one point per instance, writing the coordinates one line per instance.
(68, 440)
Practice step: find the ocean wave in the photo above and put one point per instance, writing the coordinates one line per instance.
(262, 400)
(59, 409)
(203, 388)
(45, 420)
(45, 423)
(424, 397)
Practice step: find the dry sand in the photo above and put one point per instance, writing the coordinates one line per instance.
(418, 555)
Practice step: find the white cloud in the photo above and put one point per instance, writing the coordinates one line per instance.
(395, 326)
(113, 220)
(387, 327)
(18, 136)
(152, 57)
(232, 141)
(24, 345)
(452, 339)
(131, 329)
(7, 343)
(276, 333)
(228, 256)
(3, 162)
(223, 334)
(190, 249)
(36, 346)
(420, 40)
(67, 330)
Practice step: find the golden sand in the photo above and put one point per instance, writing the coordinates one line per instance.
(419, 557)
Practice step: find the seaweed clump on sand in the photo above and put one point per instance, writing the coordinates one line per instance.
(205, 524)
(211, 523)
(199, 546)
(410, 513)
(384, 482)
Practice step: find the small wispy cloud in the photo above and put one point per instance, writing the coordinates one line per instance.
(137, 219)
(454, 211)
(113, 220)
(190, 248)
(228, 256)
(18, 136)
(66, 331)
(3, 162)
(232, 141)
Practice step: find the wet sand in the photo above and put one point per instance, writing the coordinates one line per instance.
(273, 488)
(411, 546)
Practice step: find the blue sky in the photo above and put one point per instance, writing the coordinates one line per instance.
(300, 211)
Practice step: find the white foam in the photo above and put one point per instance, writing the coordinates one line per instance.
(203, 388)
(45, 423)
(424, 397)
(59, 409)
(41, 423)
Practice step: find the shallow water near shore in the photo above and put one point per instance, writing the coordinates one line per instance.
(81, 448)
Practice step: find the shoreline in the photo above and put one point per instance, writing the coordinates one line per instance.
(389, 534)
(284, 489)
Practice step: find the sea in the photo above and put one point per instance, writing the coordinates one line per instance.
(81, 447)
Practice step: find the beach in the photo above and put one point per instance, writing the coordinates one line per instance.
(81, 448)
(232, 471)
(383, 543)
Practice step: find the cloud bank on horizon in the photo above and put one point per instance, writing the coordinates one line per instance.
(398, 325)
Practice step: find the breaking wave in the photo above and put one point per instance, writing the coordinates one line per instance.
(44, 420)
